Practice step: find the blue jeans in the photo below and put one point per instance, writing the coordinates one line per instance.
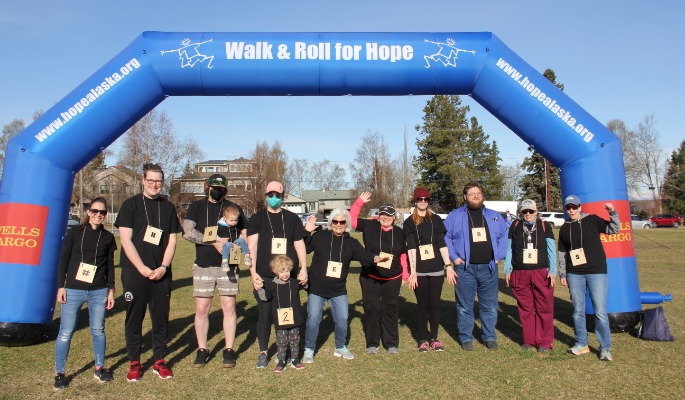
(97, 301)
(596, 285)
(481, 280)
(339, 310)
(240, 242)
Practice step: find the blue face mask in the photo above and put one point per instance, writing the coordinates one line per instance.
(273, 201)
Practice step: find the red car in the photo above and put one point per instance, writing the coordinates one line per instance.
(665, 220)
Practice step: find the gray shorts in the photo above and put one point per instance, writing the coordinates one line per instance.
(206, 278)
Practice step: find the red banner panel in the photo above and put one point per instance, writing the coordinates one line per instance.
(22, 231)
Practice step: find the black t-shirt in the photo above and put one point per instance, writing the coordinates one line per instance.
(377, 240)
(519, 233)
(329, 247)
(430, 231)
(137, 214)
(205, 213)
(481, 252)
(71, 257)
(570, 238)
(283, 224)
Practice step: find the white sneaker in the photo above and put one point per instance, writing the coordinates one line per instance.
(343, 352)
(308, 356)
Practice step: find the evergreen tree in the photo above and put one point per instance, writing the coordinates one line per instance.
(453, 150)
(534, 183)
(674, 182)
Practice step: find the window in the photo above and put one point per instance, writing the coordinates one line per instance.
(104, 189)
(240, 167)
(248, 185)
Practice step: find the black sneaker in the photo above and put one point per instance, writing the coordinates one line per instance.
(103, 375)
(60, 381)
(229, 358)
(491, 345)
(201, 358)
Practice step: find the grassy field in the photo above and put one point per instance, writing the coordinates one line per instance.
(640, 369)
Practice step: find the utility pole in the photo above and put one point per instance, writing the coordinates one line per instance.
(547, 185)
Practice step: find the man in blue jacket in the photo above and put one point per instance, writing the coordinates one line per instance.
(477, 240)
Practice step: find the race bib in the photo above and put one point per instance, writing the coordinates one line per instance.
(426, 252)
(387, 263)
(478, 234)
(334, 269)
(153, 235)
(278, 245)
(578, 257)
(210, 234)
(530, 256)
(234, 257)
(86, 272)
(285, 316)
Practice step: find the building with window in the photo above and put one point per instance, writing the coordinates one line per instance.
(239, 175)
(323, 201)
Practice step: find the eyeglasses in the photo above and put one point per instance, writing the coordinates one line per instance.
(528, 212)
(95, 211)
(275, 194)
(571, 207)
(473, 195)
(422, 199)
(338, 222)
(152, 182)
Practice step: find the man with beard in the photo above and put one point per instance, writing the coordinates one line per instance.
(200, 227)
(477, 240)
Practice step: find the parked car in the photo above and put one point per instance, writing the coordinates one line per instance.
(555, 218)
(665, 220)
(71, 224)
(639, 223)
(373, 214)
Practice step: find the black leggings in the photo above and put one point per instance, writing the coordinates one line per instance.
(264, 322)
(428, 299)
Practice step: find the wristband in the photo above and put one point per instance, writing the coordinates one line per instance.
(448, 266)
(164, 266)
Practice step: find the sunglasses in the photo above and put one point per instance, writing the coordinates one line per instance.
(571, 207)
(527, 212)
(338, 222)
(275, 194)
(421, 199)
(95, 211)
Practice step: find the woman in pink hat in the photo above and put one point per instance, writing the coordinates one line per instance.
(429, 262)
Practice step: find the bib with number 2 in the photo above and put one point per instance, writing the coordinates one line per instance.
(86, 272)
(234, 257)
(285, 316)
(153, 235)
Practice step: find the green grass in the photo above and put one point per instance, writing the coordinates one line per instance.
(640, 369)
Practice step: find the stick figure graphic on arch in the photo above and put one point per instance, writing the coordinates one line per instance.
(41, 162)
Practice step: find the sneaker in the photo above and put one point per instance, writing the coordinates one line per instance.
(279, 367)
(393, 350)
(263, 361)
(343, 352)
(436, 345)
(308, 356)
(579, 349)
(229, 358)
(295, 363)
(372, 350)
(160, 369)
(224, 265)
(60, 381)
(201, 358)
(492, 345)
(133, 372)
(248, 260)
(543, 349)
(605, 355)
(468, 346)
(527, 347)
(423, 347)
(103, 375)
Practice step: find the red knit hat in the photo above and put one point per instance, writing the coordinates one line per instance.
(421, 192)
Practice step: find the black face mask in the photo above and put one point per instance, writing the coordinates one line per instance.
(217, 193)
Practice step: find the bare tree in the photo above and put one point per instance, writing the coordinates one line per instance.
(512, 174)
(650, 158)
(153, 139)
(630, 158)
(270, 164)
(373, 170)
(298, 174)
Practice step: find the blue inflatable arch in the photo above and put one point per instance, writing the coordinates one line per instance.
(42, 160)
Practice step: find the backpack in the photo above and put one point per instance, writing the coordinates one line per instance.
(654, 326)
(544, 225)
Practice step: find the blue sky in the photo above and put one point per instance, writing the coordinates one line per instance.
(616, 59)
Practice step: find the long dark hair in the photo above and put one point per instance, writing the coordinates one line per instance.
(86, 219)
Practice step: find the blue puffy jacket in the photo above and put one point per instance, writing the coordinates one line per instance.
(457, 236)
